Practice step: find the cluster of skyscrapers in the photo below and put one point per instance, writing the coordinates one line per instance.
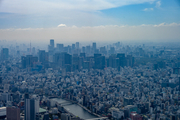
(72, 58)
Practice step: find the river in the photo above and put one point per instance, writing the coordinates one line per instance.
(75, 109)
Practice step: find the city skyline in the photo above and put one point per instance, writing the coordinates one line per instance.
(132, 20)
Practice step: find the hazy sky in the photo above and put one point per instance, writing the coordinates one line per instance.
(90, 20)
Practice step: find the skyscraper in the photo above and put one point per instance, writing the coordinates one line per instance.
(31, 107)
(73, 47)
(122, 59)
(99, 61)
(77, 45)
(60, 47)
(52, 43)
(94, 47)
(4, 53)
(43, 56)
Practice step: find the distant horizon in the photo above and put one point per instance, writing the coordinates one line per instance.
(154, 33)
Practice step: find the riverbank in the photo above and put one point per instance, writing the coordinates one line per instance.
(75, 102)
(88, 110)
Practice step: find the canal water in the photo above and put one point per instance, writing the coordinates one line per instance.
(75, 109)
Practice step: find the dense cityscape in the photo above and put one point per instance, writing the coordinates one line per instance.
(115, 81)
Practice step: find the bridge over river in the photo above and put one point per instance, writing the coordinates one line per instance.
(75, 109)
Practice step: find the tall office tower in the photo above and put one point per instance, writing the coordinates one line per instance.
(77, 45)
(52, 43)
(51, 48)
(33, 51)
(73, 47)
(60, 47)
(43, 57)
(57, 59)
(23, 61)
(75, 62)
(12, 113)
(66, 49)
(88, 49)
(31, 108)
(99, 61)
(83, 49)
(112, 50)
(68, 59)
(94, 47)
(83, 55)
(103, 50)
(122, 59)
(4, 53)
(113, 61)
(62, 59)
(30, 60)
(96, 55)
(130, 60)
(69, 49)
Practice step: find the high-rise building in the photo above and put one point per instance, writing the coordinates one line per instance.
(86, 65)
(99, 61)
(51, 48)
(52, 43)
(94, 47)
(30, 113)
(75, 62)
(77, 45)
(88, 49)
(103, 50)
(113, 61)
(122, 59)
(73, 47)
(12, 113)
(23, 61)
(60, 47)
(43, 56)
(68, 59)
(83, 49)
(31, 107)
(4, 53)
(30, 60)
(130, 60)
(112, 50)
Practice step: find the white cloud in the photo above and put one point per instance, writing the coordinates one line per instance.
(148, 9)
(74, 26)
(169, 25)
(61, 25)
(158, 4)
